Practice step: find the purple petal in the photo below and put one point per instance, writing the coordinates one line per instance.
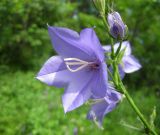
(79, 83)
(107, 48)
(78, 90)
(117, 16)
(125, 44)
(113, 16)
(117, 30)
(67, 44)
(104, 106)
(118, 19)
(121, 71)
(99, 84)
(110, 19)
(48, 73)
(113, 95)
(97, 111)
(130, 64)
(90, 39)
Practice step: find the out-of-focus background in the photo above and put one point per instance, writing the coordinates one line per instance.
(28, 107)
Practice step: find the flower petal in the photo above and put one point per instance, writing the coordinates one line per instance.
(78, 90)
(117, 16)
(67, 44)
(97, 112)
(48, 73)
(104, 106)
(89, 38)
(99, 84)
(130, 64)
(125, 44)
(113, 95)
(121, 71)
(107, 48)
(112, 17)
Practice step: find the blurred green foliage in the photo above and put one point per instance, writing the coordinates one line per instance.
(23, 29)
(28, 107)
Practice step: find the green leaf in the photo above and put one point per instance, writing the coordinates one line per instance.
(153, 117)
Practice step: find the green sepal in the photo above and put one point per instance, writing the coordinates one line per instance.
(120, 56)
(100, 5)
(153, 117)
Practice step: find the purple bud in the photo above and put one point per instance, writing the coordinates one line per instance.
(116, 25)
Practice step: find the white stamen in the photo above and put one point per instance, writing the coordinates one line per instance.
(76, 62)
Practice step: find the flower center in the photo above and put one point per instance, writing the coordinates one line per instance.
(75, 64)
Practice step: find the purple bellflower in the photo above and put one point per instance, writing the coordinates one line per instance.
(117, 27)
(80, 67)
(129, 63)
(103, 106)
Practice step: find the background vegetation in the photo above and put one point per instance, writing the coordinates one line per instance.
(29, 107)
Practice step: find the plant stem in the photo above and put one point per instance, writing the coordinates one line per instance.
(136, 109)
(105, 21)
(119, 48)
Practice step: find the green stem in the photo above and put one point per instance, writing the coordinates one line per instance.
(130, 100)
(119, 48)
(105, 21)
(112, 49)
(115, 73)
(119, 85)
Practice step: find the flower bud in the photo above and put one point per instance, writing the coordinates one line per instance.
(100, 5)
(117, 28)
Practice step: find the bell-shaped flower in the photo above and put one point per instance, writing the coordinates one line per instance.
(103, 106)
(117, 27)
(129, 63)
(80, 66)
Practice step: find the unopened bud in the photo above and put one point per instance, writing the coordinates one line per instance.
(117, 28)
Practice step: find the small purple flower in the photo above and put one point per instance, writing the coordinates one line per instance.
(129, 63)
(116, 25)
(80, 66)
(103, 106)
